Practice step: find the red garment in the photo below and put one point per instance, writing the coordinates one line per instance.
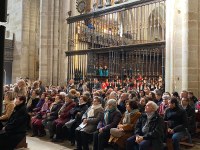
(103, 86)
(162, 108)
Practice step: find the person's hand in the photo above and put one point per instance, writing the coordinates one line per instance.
(101, 130)
(170, 131)
(139, 139)
(84, 121)
(3, 128)
(119, 126)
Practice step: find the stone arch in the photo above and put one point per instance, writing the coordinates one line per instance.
(156, 23)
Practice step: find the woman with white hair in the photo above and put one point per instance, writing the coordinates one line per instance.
(149, 130)
(164, 105)
(111, 119)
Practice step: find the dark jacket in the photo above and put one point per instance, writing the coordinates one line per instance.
(54, 111)
(17, 122)
(191, 119)
(77, 113)
(15, 128)
(177, 119)
(156, 130)
(115, 118)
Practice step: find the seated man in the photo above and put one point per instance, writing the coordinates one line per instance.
(149, 130)
(190, 111)
(15, 129)
(177, 122)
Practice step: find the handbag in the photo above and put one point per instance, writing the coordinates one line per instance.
(70, 123)
(116, 132)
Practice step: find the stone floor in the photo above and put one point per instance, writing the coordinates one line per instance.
(35, 143)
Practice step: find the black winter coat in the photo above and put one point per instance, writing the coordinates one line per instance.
(17, 122)
(156, 130)
(54, 111)
(15, 128)
(177, 119)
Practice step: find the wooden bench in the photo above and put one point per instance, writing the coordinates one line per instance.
(22, 143)
(184, 142)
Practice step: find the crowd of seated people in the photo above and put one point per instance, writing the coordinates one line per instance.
(125, 119)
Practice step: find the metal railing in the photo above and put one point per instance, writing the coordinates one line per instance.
(127, 38)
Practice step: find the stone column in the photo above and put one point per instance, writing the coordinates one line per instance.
(24, 62)
(63, 32)
(169, 46)
(56, 47)
(182, 46)
(43, 51)
(184, 14)
(33, 32)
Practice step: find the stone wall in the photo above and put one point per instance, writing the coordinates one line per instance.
(194, 46)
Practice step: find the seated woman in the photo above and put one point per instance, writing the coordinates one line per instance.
(32, 102)
(63, 116)
(126, 126)
(90, 118)
(8, 108)
(36, 121)
(164, 105)
(15, 129)
(142, 104)
(52, 114)
(149, 130)
(111, 119)
(40, 103)
(177, 122)
(76, 118)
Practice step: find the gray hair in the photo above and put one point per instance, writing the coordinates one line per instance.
(166, 97)
(112, 102)
(154, 105)
(114, 95)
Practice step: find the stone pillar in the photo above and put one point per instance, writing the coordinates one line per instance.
(64, 27)
(24, 62)
(182, 50)
(184, 14)
(33, 32)
(176, 33)
(43, 50)
(169, 46)
(193, 47)
(56, 47)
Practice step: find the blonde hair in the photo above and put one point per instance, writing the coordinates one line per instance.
(10, 95)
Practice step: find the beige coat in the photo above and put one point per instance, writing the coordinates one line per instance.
(93, 121)
(9, 107)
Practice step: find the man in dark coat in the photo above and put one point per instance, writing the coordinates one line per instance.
(190, 115)
(15, 129)
(149, 130)
(177, 122)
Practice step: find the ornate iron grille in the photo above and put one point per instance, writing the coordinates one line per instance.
(128, 39)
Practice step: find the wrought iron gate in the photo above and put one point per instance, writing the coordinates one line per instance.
(127, 38)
